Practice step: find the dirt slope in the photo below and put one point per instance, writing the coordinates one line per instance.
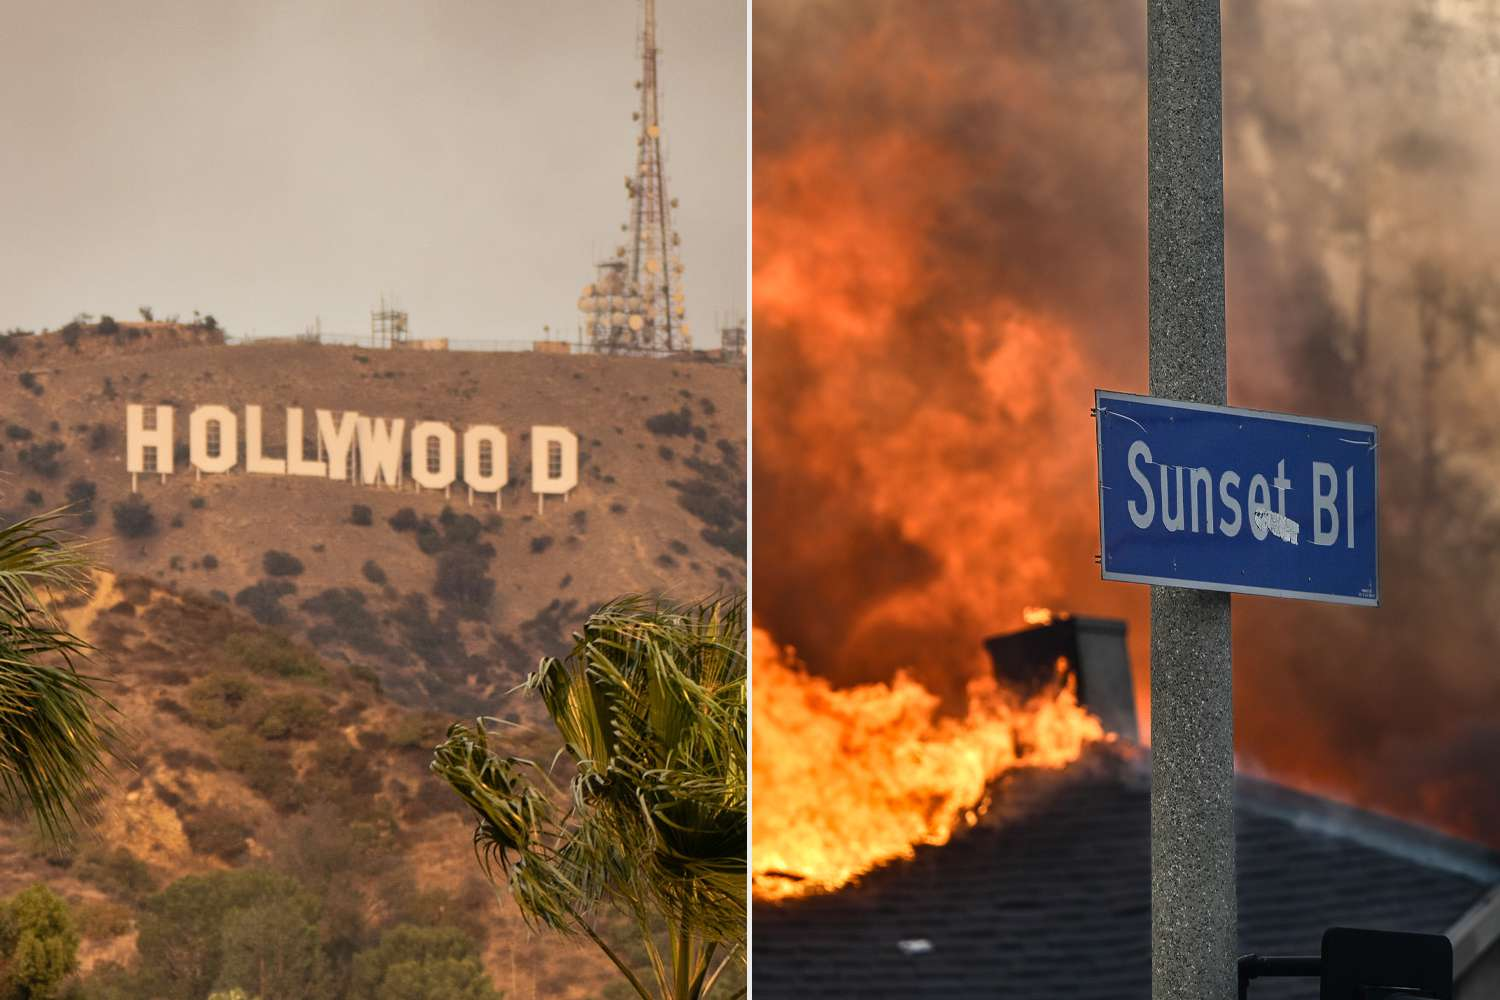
(656, 510)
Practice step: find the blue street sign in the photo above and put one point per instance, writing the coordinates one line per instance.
(1219, 498)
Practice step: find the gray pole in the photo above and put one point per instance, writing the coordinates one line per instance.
(1193, 911)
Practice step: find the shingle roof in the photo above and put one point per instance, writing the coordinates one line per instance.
(1053, 899)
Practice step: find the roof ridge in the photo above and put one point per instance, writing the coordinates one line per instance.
(1404, 838)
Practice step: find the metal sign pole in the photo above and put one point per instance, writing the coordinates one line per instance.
(1193, 910)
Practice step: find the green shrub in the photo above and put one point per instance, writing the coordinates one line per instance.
(38, 944)
(361, 515)
(81, 494)
(41, 458)
(278, 563)
(372, 572)
(349, 620)
(343, 775)
(415, 731)
(100, 919)
(435, 640)
(218, 831)
(274, 655)
(460, 530)
(266, 769)
(272, 945)
(216, 700)
(294, 716)
(116, 871)
(183, 944)
(367, 674)
(463, 581)
(133, 517)
(263, 600)
(429, 539)
(673, 423)
(422, 963)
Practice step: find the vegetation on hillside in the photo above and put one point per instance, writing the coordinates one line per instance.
(650, 704)
(294, 773)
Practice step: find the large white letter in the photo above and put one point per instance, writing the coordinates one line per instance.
(227, 425)
(554, 460)
(336, 440)
(138, 439)
(380, 450)
(1282, 484)
(254, 460)
(421, 468)
(1195, 477)
(1262, 489)
(1323, 503)
(1167, 520)
(1229, 528)
(475, 438)
(1349, 499)
(297, 463)
(1140, 518)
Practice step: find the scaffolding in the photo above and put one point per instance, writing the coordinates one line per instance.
(388, 326)
(732, 344)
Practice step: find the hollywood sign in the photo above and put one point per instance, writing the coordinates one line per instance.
(351, 447)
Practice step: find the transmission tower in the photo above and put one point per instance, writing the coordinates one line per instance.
(636, 303)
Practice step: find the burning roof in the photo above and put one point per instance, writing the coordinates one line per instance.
(848, 779)
(1053, 897)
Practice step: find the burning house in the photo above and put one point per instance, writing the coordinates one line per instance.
(949, 258)
(1044, 888)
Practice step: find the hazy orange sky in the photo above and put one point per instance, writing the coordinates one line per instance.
(271, 162)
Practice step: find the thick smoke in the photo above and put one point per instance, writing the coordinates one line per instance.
(950, 255)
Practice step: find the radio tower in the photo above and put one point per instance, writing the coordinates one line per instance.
(636, 303)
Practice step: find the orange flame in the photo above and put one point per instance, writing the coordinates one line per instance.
(846, 780)
(1041, 616)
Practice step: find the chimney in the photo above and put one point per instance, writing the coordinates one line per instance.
(1094, 649)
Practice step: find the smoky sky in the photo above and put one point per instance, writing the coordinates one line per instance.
(985, 161)
(274, 162)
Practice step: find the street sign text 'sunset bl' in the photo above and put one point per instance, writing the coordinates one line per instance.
(1219, 498)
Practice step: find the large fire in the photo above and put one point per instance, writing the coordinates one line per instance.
(848, 779)
(950, 255)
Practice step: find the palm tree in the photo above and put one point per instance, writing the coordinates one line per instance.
(650, 704)
(53, 735)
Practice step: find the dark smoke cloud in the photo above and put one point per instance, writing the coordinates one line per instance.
(996, 153)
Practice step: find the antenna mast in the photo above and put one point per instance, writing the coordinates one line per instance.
(636, 304)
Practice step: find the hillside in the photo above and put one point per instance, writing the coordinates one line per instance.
(284, 652)
(241, 750)
(654, 510)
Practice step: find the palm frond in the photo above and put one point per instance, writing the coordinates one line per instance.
(54, 735)
(651, 706)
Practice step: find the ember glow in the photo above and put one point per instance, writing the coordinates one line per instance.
(848, 779)
(1040, 616)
